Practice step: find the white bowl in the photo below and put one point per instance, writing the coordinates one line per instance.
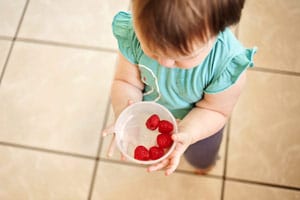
(131, 131)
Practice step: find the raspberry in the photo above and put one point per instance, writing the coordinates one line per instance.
(141, 153)
(165, 126)
(164, 140)
(156, 152)
(152, 122)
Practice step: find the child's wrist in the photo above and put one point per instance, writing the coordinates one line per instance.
(191, 133)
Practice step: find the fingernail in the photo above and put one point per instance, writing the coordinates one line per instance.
(150, 170)
(168, 173)
(130, 102)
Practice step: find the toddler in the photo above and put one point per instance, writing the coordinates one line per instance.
(181, 54)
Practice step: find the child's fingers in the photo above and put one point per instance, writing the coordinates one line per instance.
(111, 147)
(179, 150)
(158, 166)
(123, 158)
(174, 162)
(108, 130)
(130, 102)
(175, 158)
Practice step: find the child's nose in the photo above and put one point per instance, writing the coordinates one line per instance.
(166, 62)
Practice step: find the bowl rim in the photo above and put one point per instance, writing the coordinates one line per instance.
(148, 162)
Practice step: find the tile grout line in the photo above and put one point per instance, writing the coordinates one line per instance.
(67, 45)
(263, 184)
(213, 176)
(2, 37)
(13, 41)
(224, 177)
(178, 171)
(60, 44)
(95, 170)
(6, 62)
(103, 49)
(106, 116)
(44, 150)
(274, 71)
(21, 19)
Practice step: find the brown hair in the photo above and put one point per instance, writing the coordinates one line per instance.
(176, 24)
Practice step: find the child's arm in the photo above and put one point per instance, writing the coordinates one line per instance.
(126, 85)
(208, 117)
(126, 88)
(212, 112)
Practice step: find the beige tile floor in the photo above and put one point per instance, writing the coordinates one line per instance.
(56, 64)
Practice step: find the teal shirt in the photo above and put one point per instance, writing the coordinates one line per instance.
(179, 89)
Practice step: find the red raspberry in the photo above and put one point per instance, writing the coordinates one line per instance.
(156, 152)
(165, 126)
(141, 153)
(164, 140)
(152, 122)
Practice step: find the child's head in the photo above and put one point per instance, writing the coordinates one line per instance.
(178, 28)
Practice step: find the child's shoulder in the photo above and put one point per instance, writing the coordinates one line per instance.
(229, 41)
(123, 31)
(229, 48)
(122, 24)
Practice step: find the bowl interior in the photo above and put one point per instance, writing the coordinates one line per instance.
(131, 130)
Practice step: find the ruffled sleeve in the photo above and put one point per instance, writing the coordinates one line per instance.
(234, 67)
(123, 31)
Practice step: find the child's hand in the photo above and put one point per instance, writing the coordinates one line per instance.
(182, 140)
(107, 131)
(110, 130)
